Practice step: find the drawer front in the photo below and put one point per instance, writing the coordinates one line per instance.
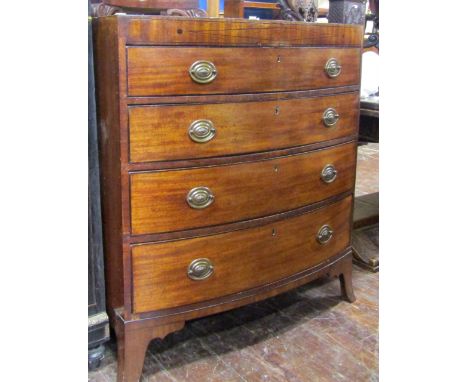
(163, 133)
(160, 201)
(156, 71)
(232, 32)
(236, 261)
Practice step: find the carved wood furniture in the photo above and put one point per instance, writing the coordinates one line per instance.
(228, 160)
(299, 10)
(281, 9)
(187, 8)
(347, 11)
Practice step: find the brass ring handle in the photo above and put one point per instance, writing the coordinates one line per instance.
(200, 269)
(201, 131)
(329, 173)
(333, 68)
(324, 234)
(203, 72)
(330, 117)
(200, 197)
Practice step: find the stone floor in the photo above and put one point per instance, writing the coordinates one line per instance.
(306, 335)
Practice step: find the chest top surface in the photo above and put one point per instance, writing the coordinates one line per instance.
(160, 30)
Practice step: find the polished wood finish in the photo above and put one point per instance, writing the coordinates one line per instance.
(144, 30)
(244, 191)
(234, 159)
(132, 342)
(107, 91)
(290, 192)
(279, 249)
(153, 4)
(234, 9)
(248, 97)
(160, 133)
(227, 227)
(332, 267)
(258, 4)
(154, 71)
(346, 284)
(134, 335)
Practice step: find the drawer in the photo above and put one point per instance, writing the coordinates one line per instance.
(160, 201)
(238, 32)
(161, 271)
(174, 132)
(156, 71)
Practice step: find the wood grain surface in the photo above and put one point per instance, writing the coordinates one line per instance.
(241, 259)
(107, 99)
(263, 166)
(246, 97)
(243, 191)
(153, 4)
(154, 71)
(160, 133)
(237, 32)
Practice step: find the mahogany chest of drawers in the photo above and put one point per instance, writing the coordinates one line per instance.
(228, 152)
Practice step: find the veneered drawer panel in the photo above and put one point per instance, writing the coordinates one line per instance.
(156, 71)
(241, 191)
(241, 260)
(161, 133)
(229, 32)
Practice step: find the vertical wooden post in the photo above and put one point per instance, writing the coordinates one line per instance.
(234, 8)
(213, 8)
